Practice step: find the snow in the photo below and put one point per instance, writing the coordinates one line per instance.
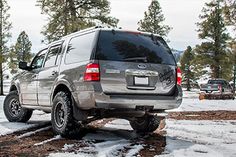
(192, 103)
(200, 138)
(132, 152)
(108, 141)
(118, 123)
(193, 151)
(184, 138)
(38, 118)
(194, 93)
(33, 132)
(204, 78)
(206, 105)
(66, 154)
(48, 140)
(67, 146)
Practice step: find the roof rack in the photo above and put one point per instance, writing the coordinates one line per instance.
(84, 30)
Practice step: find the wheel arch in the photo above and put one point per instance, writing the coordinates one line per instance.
(13, 88)
(77, 113)
(60, 87)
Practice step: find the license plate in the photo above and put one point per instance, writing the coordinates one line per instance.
(141, 81)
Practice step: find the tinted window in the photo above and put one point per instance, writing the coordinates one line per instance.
(38, 60)
(133, 47)
(52, 56)
(80, 48)
(216, 82)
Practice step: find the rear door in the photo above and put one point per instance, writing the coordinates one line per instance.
(134, 63)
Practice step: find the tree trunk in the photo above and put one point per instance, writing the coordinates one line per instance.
(1, 48)
(1, 81)
(188, 80)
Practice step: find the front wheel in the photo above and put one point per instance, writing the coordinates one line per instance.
(145, 124)
(13, 110)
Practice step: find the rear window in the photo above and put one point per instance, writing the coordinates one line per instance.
(217, 82)
(133, 47)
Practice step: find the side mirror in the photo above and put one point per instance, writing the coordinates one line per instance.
(23, 66)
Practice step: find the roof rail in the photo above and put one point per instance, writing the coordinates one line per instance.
(81, 31)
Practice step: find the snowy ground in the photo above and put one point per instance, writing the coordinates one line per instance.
(114, 136)
(200, 138)
(192, 103)
(38, 118)
(184, 138)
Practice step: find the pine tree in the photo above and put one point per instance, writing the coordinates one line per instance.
(12, 61)
(233, 58)
(185, 65)
(233, 51)
(68, 16)
(230, 12)
(21, 51)
(23, 47)
(154, 20)
(5, 26)
(213, 50)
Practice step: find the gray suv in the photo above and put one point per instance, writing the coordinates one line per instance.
(98, 73)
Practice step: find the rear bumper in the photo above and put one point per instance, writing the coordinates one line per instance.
(161, 104)
(123, 101)
(216, 94)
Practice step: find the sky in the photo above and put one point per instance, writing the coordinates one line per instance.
(181, 15)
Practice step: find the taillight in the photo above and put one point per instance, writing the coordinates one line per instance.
(92, 72)
(179, 76)
(220, 88)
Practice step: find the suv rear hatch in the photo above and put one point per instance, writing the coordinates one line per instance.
(135, 63)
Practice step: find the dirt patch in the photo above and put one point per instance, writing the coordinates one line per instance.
(11, 145)
(203, 115)
(100, 123)
(41, 143)
(153, 144)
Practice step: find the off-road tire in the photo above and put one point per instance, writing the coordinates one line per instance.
(145, 124)
(21, 115)
(68, 127)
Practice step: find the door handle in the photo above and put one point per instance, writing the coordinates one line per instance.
(54, 73)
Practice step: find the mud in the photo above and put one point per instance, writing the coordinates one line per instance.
(38, 143)
(203, 115)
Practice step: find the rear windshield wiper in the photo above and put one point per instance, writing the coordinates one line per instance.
(144, 59)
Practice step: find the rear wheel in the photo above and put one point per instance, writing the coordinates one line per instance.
(145, 124)
(63, 122)
(13, 110)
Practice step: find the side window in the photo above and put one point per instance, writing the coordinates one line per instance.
(38, 60)
(80, 48)
(52, 56)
